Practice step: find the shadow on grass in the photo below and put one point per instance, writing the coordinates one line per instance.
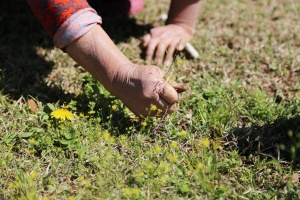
(23, 72)
(119, 26)
(277, 140)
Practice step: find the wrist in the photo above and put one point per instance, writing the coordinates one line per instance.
(186, 27)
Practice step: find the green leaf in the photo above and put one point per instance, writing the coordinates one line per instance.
(64, 142)
(68, 135)
(25, 134)
(184, 188)
(50, 106)
(8, 138)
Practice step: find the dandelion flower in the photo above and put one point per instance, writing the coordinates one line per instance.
(33, 175)
(182, 133)
(200, 166)
(144, 124)
(205, 142)
(157, 149)
(106, 135)
(62, 114)
(173, 158)
(174, 144)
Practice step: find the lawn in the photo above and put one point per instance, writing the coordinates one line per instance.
(235, 134)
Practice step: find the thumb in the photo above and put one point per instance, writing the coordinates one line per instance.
(169, 94)
(178, 87)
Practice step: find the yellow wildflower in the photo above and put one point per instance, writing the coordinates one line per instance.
(174, 144)
(111, 140)
(200, 166)
(172, 158)
(153, 107)
(62, 114)
(106, 135)
(135, 191)
(13, 185)
(32, 141)
(140, 174)
(33, 175)
(144, 123)
(157, 149)
(114, 107)
(128, 192)
(182, 133)
(205, 142)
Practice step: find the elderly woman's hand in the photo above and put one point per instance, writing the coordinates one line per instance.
(163, 41)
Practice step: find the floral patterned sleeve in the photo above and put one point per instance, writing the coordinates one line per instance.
(65, 20)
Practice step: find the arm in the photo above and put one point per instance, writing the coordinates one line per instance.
(74, 26)
(137, 86)
(184, 14)
(175, 34)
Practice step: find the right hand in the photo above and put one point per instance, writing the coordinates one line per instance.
(139, 87)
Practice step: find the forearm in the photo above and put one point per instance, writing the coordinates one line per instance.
(184, 13)
(96, 52)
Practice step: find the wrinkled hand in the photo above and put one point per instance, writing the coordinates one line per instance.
(164, 39)
(139, 87)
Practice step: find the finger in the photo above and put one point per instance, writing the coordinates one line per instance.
(178, 87)
(180, 46)
(160, 53)
(151, 48)
(169, 94)
(169, 55)
(165, 109)
(146, 39)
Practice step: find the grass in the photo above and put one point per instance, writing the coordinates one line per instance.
(235, 135)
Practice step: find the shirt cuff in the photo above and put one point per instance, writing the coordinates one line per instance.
(75, 27)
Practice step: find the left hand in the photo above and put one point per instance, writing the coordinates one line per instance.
(163, 41)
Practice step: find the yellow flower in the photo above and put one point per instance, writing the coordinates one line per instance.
(111, 140)
(153, 107)
(33, 175)
(62, 114)
(205, 142)
(32, 141)
(13, 185)
(140, 174)
(128, 192)
(106, 135)
(172, 158)
(157, 149)
(144, 123)
(114, 107)
(135, 191)
(200, 166)
(174, 144)
(182, 133)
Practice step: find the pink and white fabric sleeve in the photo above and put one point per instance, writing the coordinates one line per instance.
(65, 20)
(75, 27)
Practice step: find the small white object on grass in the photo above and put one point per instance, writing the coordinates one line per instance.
(191, 50)
(188, 47)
